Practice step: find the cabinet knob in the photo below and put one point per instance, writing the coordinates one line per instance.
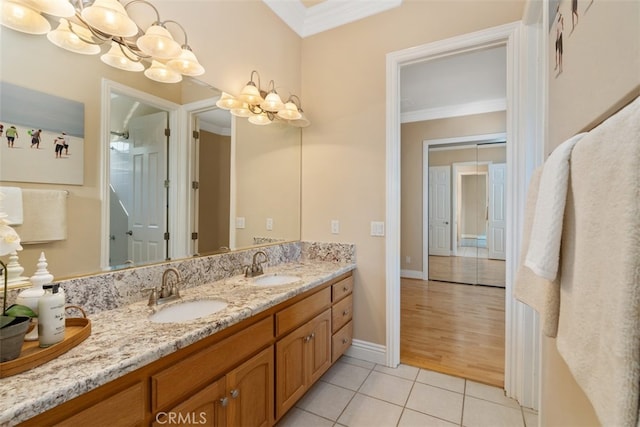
(345, 289)
(235, 393)
(224, 401)
(346, 312)
(307, 338)
(344, 340)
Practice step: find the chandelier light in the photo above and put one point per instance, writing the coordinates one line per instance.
(262, 107)
(85, 26)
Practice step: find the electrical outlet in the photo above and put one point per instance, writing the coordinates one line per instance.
(335, 226)
(240, 222)
(269, 224)
(377, 228)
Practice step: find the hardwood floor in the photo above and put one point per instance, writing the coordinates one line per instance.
(454, 329)
(467, 270)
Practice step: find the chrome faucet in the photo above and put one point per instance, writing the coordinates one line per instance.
(169, 290)
(255, 269)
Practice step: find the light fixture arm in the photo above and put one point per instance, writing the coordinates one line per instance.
(185, 45)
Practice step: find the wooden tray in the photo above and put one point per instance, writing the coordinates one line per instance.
(77, 329)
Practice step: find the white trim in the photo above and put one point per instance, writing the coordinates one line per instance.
(508, 34)
(471, 108)
(412, 274)
(461, 140)
(174, 153)
(307, 21)
(364, 350)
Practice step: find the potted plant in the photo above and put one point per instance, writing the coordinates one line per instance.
(14, 322)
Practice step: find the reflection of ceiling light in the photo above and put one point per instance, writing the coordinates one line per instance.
(261, 107)
(92, 24)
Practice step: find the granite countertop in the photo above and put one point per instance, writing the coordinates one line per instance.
(123, 340)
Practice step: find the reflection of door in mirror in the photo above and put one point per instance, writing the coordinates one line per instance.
(467, 214)
(137, 193)
(212, 171)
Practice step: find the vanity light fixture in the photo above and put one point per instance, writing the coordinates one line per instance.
(84, 26)
(262, 107)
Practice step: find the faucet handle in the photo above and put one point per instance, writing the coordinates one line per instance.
(153, 296)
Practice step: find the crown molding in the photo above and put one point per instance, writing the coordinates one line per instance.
(468, 109)
(307, 21)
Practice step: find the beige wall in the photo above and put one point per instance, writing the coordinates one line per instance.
(601, 67)
(412, 137)
(34, 62)
(601, 64)
(344, 80)
(214, 192)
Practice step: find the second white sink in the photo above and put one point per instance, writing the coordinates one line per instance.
(276, 280)
(188, 310)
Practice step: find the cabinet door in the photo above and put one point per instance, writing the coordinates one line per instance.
(290, 372)
(318, 348)
(250, 392)
(205, 408)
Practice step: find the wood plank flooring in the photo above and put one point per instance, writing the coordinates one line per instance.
(467, 270)
(454, 329)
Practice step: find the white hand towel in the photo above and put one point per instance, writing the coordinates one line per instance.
(45, 216)
(11, 204)
(544, 248)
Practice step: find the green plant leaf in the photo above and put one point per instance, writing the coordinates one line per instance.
(17, 310)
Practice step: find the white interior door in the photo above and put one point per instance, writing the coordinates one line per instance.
(147, 219)
(440, 210)
(496, 227)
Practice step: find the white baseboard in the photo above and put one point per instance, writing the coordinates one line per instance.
(411, 274)
(364, 350)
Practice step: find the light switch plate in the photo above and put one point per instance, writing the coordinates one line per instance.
(335, 226)
(377, 228)
(269, 223)
(240, 222)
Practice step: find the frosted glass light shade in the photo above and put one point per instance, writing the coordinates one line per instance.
(158, 42)
(161, 73)
(250, 94)
(272, 102)
(109, 16)
(289, 112)
(116, 59)
(260, 119)
(59, 8)
(302, 122)
(22, 18)
(241, 111)
(228, 102)
(186, 64)
(66, 39)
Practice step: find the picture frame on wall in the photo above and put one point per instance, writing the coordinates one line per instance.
(42, 137)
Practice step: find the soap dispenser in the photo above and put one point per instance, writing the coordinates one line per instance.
(30, 296)
(51, 316)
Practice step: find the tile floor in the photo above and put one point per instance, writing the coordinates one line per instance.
(357, 393)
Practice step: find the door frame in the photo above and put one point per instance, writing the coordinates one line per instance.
(522, 44)
(107, 88)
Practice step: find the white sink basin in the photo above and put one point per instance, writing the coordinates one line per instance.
(187, 310)
(275, 280)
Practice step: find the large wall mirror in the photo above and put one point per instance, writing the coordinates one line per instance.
(241, 182)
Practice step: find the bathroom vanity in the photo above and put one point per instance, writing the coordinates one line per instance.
(246, 364)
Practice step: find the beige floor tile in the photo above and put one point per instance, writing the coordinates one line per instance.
(412, 418)
(436, 402)
(487, 392)
(326, 400)
(364, 411)
(297, 418)
(530, 417)
(482, 413)
(437, 379)
(357, 362)
(402, 371)
(387, 387)
(346, 375)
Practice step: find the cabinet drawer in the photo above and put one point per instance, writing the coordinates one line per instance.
(341, 313)
(342, 289)
(341, 341)
(125, 407)
(186, 376)
(293, 316)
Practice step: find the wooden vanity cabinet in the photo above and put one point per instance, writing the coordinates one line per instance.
(342, 317)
